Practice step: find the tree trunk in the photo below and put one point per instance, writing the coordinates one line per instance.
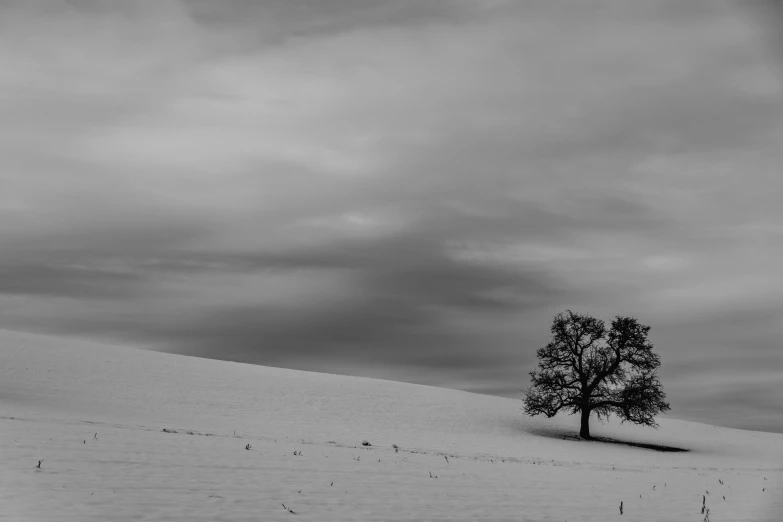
(584, 431)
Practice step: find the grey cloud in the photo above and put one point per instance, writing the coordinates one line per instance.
(751, 404)
(182, 182)
(405, 285)
(457, 218)
(68, 281)
(740, 365)
(308, 18)
(766, 15)
(407, 288)
(91, 241)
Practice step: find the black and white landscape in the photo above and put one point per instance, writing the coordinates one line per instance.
(264, 259)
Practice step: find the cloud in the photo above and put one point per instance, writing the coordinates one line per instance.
(408, 190)
(67, 280)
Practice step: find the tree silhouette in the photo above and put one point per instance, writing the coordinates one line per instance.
(586, 368)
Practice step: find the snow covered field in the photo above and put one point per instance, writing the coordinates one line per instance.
(126, 434)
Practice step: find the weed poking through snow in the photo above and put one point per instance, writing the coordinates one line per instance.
(39, 463)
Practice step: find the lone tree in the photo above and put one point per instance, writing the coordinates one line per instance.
(586, 368)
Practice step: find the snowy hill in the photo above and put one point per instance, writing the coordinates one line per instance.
(130, 434)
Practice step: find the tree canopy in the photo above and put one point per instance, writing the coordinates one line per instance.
(588, 368)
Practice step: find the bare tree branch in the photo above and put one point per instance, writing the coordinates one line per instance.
(587, 368)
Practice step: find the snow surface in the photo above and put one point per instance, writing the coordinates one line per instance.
(127, 434)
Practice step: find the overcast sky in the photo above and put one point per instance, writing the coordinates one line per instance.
(406, 189)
